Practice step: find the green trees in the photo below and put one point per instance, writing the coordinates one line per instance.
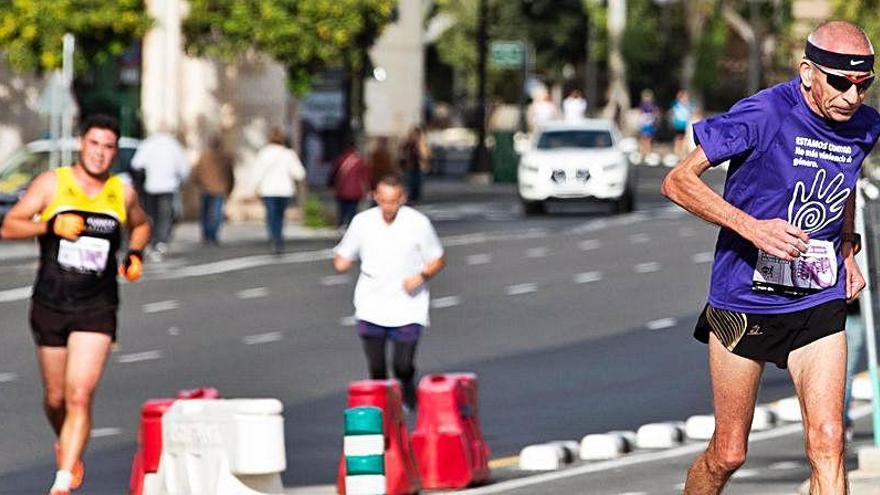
(304, 36)
(31, 30)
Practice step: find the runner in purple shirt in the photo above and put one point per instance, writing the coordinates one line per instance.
(784, 261)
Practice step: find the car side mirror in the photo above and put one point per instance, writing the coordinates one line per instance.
(628, 145)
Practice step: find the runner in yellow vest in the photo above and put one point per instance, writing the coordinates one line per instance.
(78, 214)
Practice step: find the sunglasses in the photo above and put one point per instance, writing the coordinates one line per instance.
(843, 83)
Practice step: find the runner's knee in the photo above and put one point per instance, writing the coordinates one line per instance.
(78, 398)
(53, 398)
(825, 439)
(727, 458)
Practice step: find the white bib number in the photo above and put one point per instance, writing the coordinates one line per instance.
(809, 273)
(86, 254)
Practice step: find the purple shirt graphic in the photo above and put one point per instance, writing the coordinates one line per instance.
(785, 162)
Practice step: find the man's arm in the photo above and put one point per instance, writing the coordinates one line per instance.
(19, 221)
(342, 264)
(432, 268)
(685, 187)
(854, 281)
(138, 221)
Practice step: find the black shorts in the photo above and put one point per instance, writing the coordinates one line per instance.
(51, 328)
(771, 337)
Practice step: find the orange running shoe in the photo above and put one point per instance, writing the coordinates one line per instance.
(78, 471)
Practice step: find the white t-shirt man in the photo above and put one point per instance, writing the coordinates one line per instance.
(389, 253)
(165, 163)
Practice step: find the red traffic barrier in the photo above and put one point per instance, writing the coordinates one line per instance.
(401, 473)
(448, 442)
(149, 453)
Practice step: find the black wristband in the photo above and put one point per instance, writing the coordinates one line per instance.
(425, 275)
(137, 253)
(851, 237)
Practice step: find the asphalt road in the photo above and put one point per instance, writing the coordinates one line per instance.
(577, 322)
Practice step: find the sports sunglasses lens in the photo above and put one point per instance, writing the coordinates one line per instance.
(864, 85)
(839, 83)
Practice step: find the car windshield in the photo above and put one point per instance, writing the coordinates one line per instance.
(22, 167)
(574, 139)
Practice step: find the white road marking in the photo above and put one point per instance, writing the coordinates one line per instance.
(174, 331)
(331, 280)
(639, 238)
(519, 289)
(661, 323)
(254, 293)
(244, 263)
(587, 277)
(590, 245)
(479, 259)
(445, 302)
(348, 321)
(262, 338)
(649, 267)
(8, 377)
(633, 493)
(704, 257)
(538, 252)
(746, 473)
(785, 465)
(18, 294)
(105, 432)
(139, 356)
(158, 307)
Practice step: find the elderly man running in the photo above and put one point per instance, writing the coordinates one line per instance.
(784, 262)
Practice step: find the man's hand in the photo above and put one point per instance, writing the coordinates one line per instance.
(412, 284)
(778, 238)
(855, 282)
(68, 226)
(132, 266)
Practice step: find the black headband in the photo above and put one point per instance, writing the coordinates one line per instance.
(840, 61)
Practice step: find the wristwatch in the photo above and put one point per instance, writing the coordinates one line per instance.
(854, 239)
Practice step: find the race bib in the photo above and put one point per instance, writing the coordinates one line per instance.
(86, 254)
(809, 273)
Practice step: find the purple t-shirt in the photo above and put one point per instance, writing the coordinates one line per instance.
(785, 162)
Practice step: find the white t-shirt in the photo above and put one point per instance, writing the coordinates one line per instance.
(276, 168)
(164, 161)
(389, 254)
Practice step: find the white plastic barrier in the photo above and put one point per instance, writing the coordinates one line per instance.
(221, 447)
(788, 409)
(660, 435)
(543, 457)
(764, 419)
(699, 427)
(604, 446)
(862, 388)
(570, 449)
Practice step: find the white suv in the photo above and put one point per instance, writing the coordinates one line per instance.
(585, 160)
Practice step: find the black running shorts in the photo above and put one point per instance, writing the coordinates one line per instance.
(771, 337)
(51, 328)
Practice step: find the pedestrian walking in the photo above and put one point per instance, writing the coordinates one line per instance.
(163, 161)
(351, 181)
(574, 107)
(381, 162)
(78, 213)
(213, 175)
(415, 160)
(784, 262)
(647, 122)
(681, 112)
(399, 252)
(277, 170)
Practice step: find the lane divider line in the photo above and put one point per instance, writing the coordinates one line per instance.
(138, 357)
(262, 338)
(161, 306)
(520, 289)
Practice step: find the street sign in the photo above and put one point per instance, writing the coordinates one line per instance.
(506, 54)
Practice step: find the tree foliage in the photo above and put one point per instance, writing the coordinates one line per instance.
(31, 31)
(304, 36)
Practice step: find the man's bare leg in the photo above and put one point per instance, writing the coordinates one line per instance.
(819, 373)
(87, 354)
(53, 365)
(735, 382)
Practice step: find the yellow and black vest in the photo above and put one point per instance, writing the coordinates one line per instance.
(81, 274)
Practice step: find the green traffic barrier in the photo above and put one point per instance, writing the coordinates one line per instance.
(363, 421)
(364, 464)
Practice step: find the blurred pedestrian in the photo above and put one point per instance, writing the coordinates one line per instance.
(399, 252)
(543, 111)
(79, 214)
(213, 175)
(574, 106)
(351, 181)
(415, 160)
(381, 162)
(277, 169)
(648, 112)
(163, 161)
(681, 112)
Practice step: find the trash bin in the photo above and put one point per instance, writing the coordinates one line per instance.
(505, 160)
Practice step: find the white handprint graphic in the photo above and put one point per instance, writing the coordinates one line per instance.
(813, 210)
